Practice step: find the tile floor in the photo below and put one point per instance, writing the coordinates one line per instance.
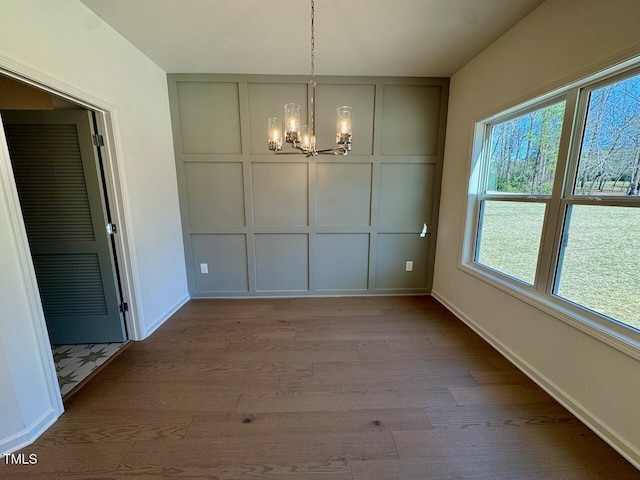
(74, 363)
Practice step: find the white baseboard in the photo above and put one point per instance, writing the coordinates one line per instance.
(622, 446)
(29, 435)
(267, 295)
(163, 318)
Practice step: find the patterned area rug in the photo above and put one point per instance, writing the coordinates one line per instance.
(74, 363)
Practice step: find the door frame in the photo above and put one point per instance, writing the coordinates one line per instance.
(115, 181)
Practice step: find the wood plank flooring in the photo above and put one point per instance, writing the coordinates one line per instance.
(370, 388)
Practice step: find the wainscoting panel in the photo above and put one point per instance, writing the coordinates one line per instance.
(410, 119)
(226, 258)
(280, 193)
(215, 195)
(259, 224)
(406, 194)
(343, 194)
(210, 116)
(394, 249)
(282, 262)
(343, 261)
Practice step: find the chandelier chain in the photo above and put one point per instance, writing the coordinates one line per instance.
(313, 70)
(313, 42)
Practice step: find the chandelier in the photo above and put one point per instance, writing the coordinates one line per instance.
(303, 137)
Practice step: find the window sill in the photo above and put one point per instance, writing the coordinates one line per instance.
(618, 336)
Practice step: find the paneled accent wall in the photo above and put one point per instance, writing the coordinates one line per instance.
(256, 223)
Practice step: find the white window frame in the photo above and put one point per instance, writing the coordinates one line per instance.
(540, 294)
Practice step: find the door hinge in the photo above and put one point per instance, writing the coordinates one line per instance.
(111, 229)
(98, 140)
(124, 307)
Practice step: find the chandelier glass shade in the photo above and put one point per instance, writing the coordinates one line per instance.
(302, 137)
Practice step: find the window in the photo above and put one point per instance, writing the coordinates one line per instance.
(609, 161)
(600, 261)
(522, 158)
(509, 237)
(554, 210)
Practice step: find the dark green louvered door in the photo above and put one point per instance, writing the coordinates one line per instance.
(55, 168)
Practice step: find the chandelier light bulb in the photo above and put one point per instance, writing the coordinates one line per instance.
(292, 114)
(343, 134)
(274, 126)
(308, 142)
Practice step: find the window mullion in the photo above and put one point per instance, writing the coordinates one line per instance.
(580, 119)
(516, 198)
(604, 201)
(552, 229)
(476, 247)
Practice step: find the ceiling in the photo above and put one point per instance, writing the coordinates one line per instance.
(353, 37)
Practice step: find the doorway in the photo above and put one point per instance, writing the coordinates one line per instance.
(55, 147)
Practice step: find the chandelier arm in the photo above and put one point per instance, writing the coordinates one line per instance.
(331, 151)
(293, 145)
(314, 153)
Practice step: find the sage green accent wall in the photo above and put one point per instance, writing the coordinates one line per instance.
(216, 194)
(410, 120)
(393, 250)
(211, 111)
(280, 194)
(256, 223)
(282, 262)
(225, 254)
(343, 261)
(343, 194)
(406, 197)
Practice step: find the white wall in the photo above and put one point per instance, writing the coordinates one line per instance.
(65, 41)
(560, 41)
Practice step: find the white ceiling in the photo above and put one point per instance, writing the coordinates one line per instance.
(353, 37)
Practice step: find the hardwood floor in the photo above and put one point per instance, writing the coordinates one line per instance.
(371, 388)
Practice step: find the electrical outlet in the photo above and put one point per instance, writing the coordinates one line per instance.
(408, 266)
(204, 268)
